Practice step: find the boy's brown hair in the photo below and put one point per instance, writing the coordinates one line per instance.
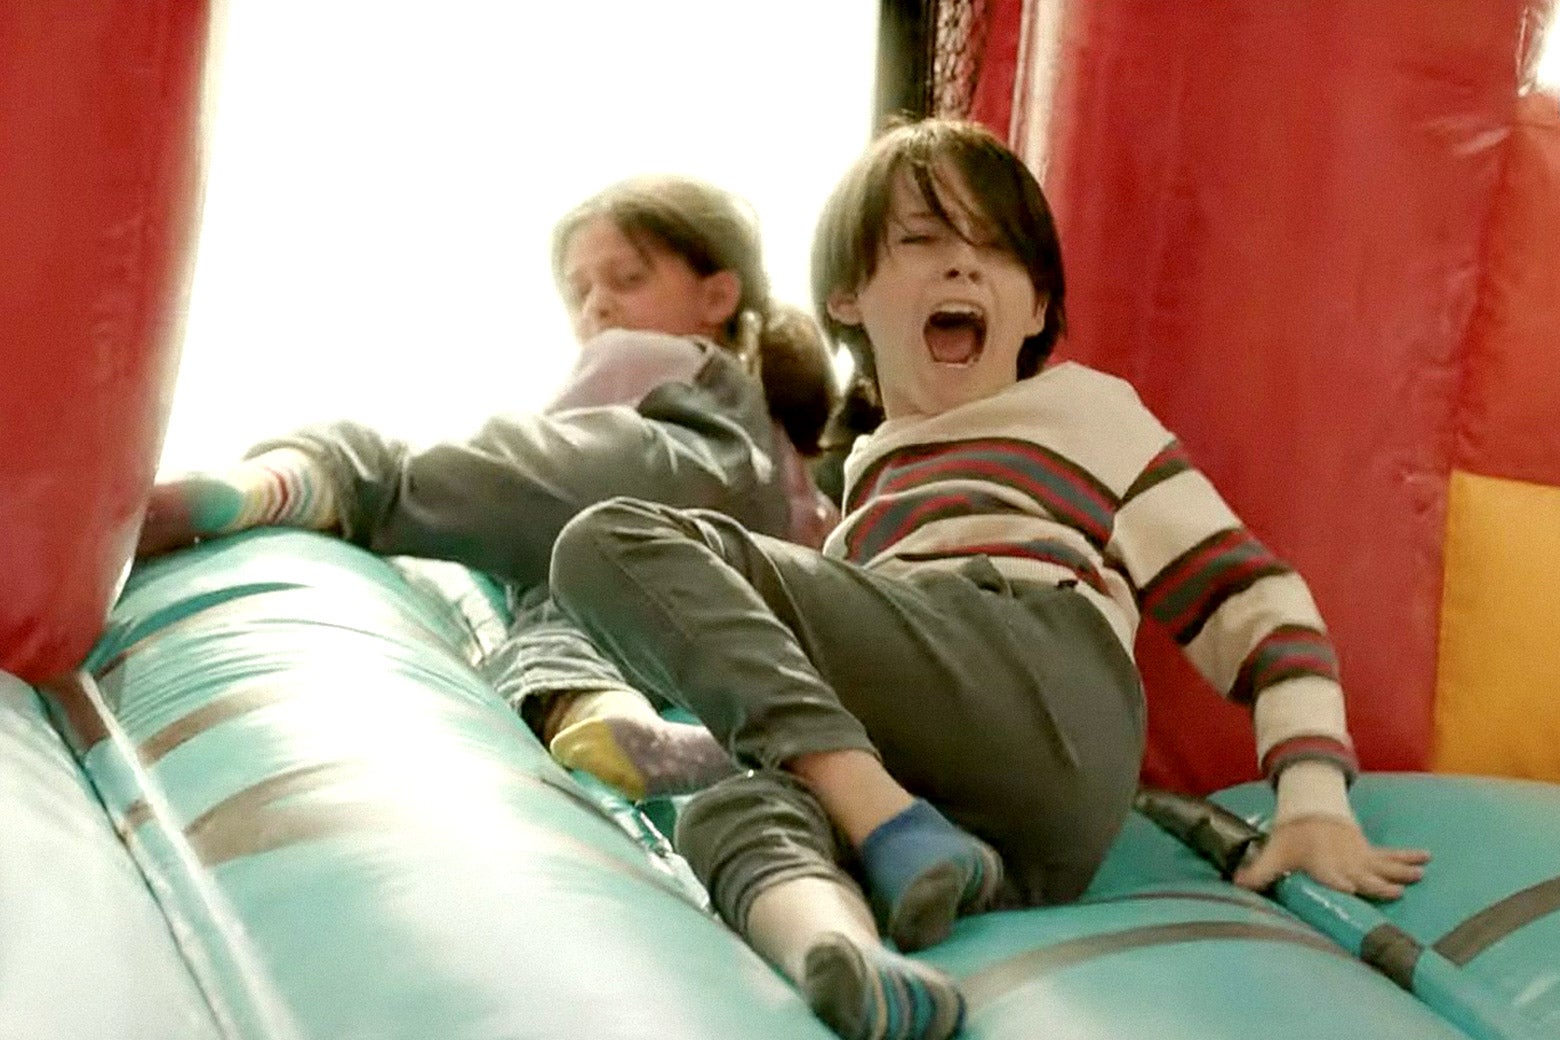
(854, 223)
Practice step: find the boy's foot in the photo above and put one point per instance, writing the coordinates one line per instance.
(923, 873)
(643, 757)
(872, 993)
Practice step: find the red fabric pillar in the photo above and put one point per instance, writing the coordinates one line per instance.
(992, 103)
(1509, 420)
(100, 104)
(1273, 217)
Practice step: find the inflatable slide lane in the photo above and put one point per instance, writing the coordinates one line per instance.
(285, 805)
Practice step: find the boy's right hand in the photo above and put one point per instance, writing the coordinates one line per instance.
(1335, 852)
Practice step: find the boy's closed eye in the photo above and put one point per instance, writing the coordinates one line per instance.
(929, 231)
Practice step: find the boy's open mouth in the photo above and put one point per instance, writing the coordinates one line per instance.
(955, 334)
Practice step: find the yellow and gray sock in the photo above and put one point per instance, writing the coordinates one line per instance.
(617, 737)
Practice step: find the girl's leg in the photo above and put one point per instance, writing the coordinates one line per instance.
(553, 676)
(631, 747)
(768, 854)
(674, 597)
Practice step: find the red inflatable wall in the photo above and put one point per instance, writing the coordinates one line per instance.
(100, 104)
(1497, 704)
(1274, 217)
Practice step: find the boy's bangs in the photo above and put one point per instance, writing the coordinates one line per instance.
(999, 200)
(944, 201)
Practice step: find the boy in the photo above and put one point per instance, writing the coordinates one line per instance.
(947, 693)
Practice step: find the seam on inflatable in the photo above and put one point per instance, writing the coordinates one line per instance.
(207, 935)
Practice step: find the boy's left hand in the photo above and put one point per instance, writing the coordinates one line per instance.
(1335, 852)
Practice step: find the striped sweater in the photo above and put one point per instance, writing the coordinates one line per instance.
(1068, 478)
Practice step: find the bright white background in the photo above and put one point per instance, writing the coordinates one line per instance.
(383, 179)
(1547, 72)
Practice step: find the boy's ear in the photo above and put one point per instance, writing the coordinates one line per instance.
(843, 307)
(721, 291)
(1037, 320)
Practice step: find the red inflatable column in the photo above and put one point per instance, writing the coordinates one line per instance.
(1274, 218)
(100, 163)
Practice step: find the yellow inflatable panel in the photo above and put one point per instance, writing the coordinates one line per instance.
(1497, 706)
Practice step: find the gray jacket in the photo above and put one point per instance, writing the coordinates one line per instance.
(496, 502)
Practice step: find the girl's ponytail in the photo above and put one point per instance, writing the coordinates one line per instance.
(786, 348)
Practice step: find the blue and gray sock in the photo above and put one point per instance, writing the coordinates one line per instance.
(873, 993)
(923, 873)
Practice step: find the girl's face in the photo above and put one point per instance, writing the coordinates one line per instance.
(610, 283)
(947, 308)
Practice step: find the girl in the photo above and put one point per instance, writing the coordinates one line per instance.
(664, 284)
(943, 707)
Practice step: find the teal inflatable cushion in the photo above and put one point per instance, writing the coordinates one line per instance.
(353, 837)
(84, 950)
(1489, 904)
(1161, 947)
(350, 835)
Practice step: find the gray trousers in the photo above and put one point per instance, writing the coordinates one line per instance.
(546, 654)
(1011, 707)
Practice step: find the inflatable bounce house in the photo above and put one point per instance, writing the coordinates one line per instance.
(259, 791)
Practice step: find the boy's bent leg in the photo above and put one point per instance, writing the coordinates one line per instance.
(674, 598)
(755, 830)
(716, 614)
(1013, 710)
(769, 855)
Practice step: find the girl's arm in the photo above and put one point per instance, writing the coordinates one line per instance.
(496, 501)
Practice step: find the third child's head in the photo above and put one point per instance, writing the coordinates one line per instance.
(937, 263)
(660, 254)
(674, 254)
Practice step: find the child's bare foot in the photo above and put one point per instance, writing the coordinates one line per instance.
(871, 993)
(643, 756)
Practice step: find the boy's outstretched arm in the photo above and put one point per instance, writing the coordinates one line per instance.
(1247, 622)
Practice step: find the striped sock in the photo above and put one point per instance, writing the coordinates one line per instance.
(871, 993)
(283, 487)
(923, 873)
